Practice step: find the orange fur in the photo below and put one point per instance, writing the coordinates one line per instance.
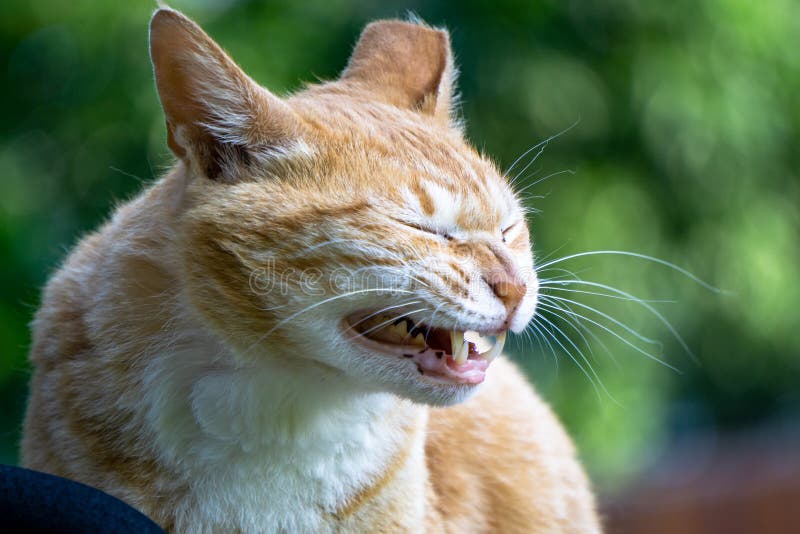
(173, 371)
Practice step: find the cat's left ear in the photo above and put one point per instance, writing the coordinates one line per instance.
(218, 119)
(405, 64)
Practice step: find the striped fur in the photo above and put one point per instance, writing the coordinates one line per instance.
(189, 356)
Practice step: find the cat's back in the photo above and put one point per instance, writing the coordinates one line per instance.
(490, 455)
(62, 344)
(95, 269)
(90, 312)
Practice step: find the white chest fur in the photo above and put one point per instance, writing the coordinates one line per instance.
(266, 450)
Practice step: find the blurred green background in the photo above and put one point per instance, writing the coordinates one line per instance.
(685, 148)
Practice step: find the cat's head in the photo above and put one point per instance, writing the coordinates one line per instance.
(347, 231)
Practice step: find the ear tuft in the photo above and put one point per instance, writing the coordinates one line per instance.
(214, 112)
(406, 64)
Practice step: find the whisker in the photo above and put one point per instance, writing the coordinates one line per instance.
(537, 327)
(665, 263)
(622, 325)
(616, 335)
(326, 243)
(287, 319)
(387, 308)
(566, 273)
(537, 334)
(542, 179)
(521, 174)
(541, 146)
(335, 297)
(537, 145)
(550, 287)
(390, 269)
(582, 355)
(568, 353)
(566, 308)
(572, 324)
(551, 253)
(384, 323)
(429, 323)
(663, 320)
(530, 338)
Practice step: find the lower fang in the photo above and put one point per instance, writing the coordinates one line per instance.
(495, 351)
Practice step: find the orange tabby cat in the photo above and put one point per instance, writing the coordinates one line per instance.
(271, 338)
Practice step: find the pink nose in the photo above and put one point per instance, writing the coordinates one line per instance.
(508, 288)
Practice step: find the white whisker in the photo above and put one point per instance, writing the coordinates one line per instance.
(335, 297)
(550, 287)
(635, 255)
(542, 179)
(649, 308)
(616, 335)
(622, 325)
(566, 309)
(537, 328)
(582, 355)
(537, 145)
(568, 353)
(384, 323)
(387, 308)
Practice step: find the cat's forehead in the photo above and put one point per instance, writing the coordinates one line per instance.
(428, 171)
(459, 196)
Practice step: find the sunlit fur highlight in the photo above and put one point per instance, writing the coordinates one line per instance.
(176, 372)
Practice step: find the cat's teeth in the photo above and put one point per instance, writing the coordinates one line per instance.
(460, 349)
(419, 340)
(495, 351)
(401, 329)
(463, 355)
(457, 342)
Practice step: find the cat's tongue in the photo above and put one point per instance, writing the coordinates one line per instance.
(435, 363)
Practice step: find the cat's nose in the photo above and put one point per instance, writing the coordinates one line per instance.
(508, 287)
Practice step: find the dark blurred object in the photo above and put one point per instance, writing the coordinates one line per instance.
(736, 485)
(37, 502)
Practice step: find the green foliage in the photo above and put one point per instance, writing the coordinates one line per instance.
(685, 148)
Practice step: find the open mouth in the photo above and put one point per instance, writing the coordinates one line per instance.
(450, 356)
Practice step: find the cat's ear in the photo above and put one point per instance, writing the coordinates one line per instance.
(215, 113)
(405, 64)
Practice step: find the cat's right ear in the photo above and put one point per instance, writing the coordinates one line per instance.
(215, 114)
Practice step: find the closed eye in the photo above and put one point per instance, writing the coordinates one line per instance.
(507, 230)
(426, 229)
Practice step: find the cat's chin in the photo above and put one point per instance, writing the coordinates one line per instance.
(436, 395)
(439, 359)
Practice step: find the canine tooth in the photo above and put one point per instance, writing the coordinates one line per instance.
(401, 329)
(419, 340)
(495, 351)
(456, 341)
(463, 353)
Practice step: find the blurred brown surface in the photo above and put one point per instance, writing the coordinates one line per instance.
(749, 485)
